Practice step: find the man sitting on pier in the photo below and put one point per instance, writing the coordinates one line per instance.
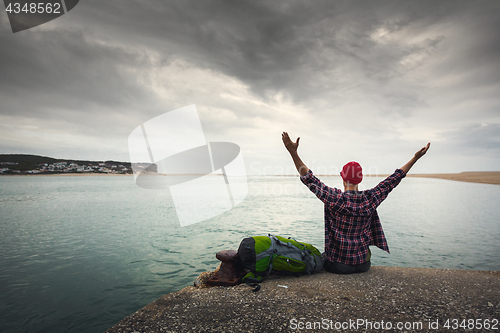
(351, 220)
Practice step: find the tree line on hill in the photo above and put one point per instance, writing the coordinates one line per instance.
(26, 163)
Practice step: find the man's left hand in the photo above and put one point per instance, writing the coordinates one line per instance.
(289, 144)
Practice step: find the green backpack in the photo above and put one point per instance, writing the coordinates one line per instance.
(263, 255)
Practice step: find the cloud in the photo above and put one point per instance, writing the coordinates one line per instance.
(68, 70)
(295, 49)
(474, 140)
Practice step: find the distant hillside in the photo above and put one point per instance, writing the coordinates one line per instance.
(26, 163)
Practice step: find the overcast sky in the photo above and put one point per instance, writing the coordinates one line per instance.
(371, 81)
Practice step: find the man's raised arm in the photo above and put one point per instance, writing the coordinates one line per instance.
(415, 158)
(292, 149)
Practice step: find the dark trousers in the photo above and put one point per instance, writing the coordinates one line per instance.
(338, 268)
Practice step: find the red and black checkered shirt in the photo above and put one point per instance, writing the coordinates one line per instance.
(351, 220)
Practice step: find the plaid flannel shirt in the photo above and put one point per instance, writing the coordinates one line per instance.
(351, 220)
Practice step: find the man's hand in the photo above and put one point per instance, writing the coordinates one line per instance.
(292, 149)
(415, 158)
(289, 144)
(422, 151)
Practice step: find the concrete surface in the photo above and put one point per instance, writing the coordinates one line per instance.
(389, 299)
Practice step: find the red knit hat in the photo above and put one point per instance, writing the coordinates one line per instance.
(352, 173)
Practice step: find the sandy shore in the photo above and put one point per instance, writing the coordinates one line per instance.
(486, 177)
(417, 299)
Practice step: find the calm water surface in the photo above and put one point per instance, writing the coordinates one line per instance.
(78, 254)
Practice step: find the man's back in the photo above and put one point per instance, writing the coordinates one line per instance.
(351, 219)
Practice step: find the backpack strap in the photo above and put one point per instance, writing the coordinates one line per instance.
(255, 285)
(308, 257)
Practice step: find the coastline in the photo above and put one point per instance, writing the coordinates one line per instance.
(481, 177)
(412, 296)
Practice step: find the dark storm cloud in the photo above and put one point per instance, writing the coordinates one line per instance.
(301, 49)
(271, 47)
(57, 70)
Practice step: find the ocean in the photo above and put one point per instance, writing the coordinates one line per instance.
(80, 253)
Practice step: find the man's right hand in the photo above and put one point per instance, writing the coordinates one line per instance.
(289, 144)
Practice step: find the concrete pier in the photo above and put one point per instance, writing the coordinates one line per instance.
(390, 299)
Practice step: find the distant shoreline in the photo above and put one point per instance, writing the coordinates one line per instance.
(481, 177)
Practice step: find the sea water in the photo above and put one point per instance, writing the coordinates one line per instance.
(78, 254)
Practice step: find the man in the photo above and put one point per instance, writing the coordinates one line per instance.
(351, 220)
